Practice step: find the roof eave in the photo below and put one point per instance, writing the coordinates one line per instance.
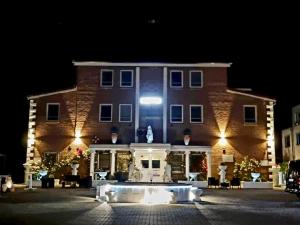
(51, 93)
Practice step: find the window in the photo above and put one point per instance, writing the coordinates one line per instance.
(126, 78)
(287, 142)
(196, 79)
(52, 112)
(50, 158)
(298, 138)
(196, 113)
(176, 113)
(105, 112)
(249, 114)
(145, 163)
(155, 164)
(106, 78)
(125, 113)
(176, 78)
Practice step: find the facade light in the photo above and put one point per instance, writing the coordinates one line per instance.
(150, 100)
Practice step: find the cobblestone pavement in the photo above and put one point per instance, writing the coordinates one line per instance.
(218, 207)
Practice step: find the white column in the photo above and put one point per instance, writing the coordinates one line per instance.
(137, 102)
(165, 106)
(92, 163)
(113, 161)
(208, 161)
(187, 164)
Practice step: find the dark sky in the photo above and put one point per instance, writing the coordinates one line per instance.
(38, 46)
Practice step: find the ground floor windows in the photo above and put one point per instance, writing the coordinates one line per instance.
(298, 138)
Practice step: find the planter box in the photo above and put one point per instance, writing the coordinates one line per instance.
(250, 184)
(36, 183)
(194, 183)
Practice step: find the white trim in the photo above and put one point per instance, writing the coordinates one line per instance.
(105, 147)
(47, 108)
(130, 113)
(202, 120)
(157, 64)
(250, 95)
(250, 123)
(111, 113)
(121, 78)
(171, 105)
(51, 93)
(190, 78)
(137, 102)
(112, 78)
(165, 103)
(171, 71)
(191, 148)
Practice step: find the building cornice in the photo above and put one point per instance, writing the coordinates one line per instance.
(251, 95)
(51, 93)
(148, 64)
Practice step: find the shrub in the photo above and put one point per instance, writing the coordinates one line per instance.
(244, 169)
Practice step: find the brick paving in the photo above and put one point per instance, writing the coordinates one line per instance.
(218, 207)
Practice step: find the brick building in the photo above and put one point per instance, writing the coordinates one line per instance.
(172, 99)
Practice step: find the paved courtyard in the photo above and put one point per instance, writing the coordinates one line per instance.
(77, 206)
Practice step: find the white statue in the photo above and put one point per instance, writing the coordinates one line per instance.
(222, 173)
(167, 173)
(149, 135)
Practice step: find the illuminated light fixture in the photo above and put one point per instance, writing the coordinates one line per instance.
(150, 100)
(77, 137)
(223, 139)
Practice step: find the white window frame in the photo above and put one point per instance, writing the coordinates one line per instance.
(121, 78)
(181, 71)
(298, 133)
(250, 123)
(120, 105)
(111, 113)
(201, 113)
(47, 108)
(112, 78)
(182, 113)
(190, 78)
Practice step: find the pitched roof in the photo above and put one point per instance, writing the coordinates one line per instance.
(251, 95)
(51, 93)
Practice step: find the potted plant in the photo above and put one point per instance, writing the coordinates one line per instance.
(187, 136)
(114, 135)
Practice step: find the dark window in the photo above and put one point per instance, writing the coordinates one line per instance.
(287, 142)
(105, 113)
(298, 138)
(176, 114)
(49, 159)
(145, 163)
(126, 78)
(176, 79)
(249, 114)
(155, 164)
(125, 113)
(53, 112)
(107, 78)
(196, 114)
(196, 78)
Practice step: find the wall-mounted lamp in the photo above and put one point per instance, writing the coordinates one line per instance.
(150, 100)
(77, 137)
(223, 139)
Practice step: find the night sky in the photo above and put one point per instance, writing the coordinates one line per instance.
(38, 47)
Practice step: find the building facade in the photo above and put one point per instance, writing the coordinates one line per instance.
(291, 137)
(172, 100)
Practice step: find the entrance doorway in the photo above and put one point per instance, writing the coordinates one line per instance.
(151, 165)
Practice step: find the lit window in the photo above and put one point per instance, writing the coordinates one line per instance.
(287, 142)
(125, 113)
(53, 111)
(196, 79)
(176, 78)
(196, 113)
(106, 78)
(250, 114)
(126, 78)
(176, 113)
(105, 112)
(298, 138)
